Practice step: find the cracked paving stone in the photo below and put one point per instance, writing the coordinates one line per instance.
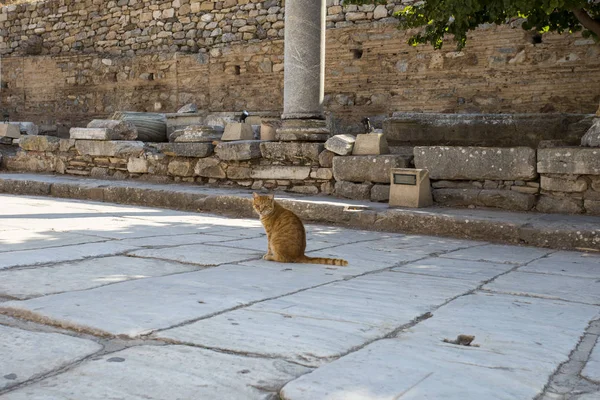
(166, 372)
(522, 342)
(319, 324)
(141, 306)
(200, 254)
(499, 254)
(568, 263)
(80, 275)
(58, 254)
(433, 244)
(455, 269)
(16, 240)
(568, 288)
(591, 370)
(25, 355)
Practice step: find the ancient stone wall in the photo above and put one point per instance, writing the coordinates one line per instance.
(67, 62)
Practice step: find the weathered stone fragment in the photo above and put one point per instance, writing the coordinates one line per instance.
(367, 168)
(293, 152)
(109, 148)
(569, 160)
(341, 145)
(115, 129)
(10, 130)
(234, 172)
(455, 197)
(506, 199)
(6, 140)
(181, 167)
(196, 133)
(563, 185)
(209, 168)
(326, 159)
(592, 136)
(137, 165)
(380, 193)
(66, 144)
(370, 144)
(27, 128)
(477, 163)
(239, 150)
(197, 150)
(39, 143)
(322, 173)
(281, 172)
(592, 206)
(304, 130)
(188, 108)
(563, 205)
(238, 131)
(356, 191)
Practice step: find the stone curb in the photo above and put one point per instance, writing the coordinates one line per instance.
(542, 230)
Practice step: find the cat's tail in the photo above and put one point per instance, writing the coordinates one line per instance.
(326, 261)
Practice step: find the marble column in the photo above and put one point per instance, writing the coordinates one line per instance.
(304, 76)
(304, 59)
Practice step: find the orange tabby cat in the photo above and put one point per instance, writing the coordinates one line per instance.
(285, 234)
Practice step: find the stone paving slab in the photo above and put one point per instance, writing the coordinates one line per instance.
(472, 271)
(317, 325)
(166, 372)
(25, 355)
(433, 244)
(20, 239)
(260, 244)
(58, 254)
(592, 367)
(139, 307)
(499, 254)
(172, 240)
(571, 288)
(568, 263)
(522, 342)
(81, 275)
(200, 254)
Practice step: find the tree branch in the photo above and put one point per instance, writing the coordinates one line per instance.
(588, 22)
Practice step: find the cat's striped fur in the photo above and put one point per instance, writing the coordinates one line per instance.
(285, 234)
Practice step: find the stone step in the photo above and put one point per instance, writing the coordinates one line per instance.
(535, 229)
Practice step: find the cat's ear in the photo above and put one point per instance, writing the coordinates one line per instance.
(255, 195)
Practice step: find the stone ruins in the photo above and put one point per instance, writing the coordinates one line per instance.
(506, 123)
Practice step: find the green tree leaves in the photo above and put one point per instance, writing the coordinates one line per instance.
(438, 18)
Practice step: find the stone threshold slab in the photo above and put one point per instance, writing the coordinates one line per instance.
(533, 229)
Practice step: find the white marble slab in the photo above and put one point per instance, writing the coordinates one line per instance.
(522, 341)
(141, 306)
(22, 239)
(314, 326)
(200, 254)
(568, 263)
(592, 368)
(58, 254)
(25, 355)
(569, 288)
(474, 271)
(500, 254)
(81, 275)
(166, 372)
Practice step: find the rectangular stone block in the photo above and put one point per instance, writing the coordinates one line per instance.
(569, 160)
(198, 150)
(374, 169)
(477, 163)
(89, 133)
(10, 130)
(370, 144)
(356, 191)
(505, 199)
(239, 150)
(563, 185)
(109, 148)
(341, 145)
(280, 172)
(292, 152)
(238, 131)
(39, 143)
